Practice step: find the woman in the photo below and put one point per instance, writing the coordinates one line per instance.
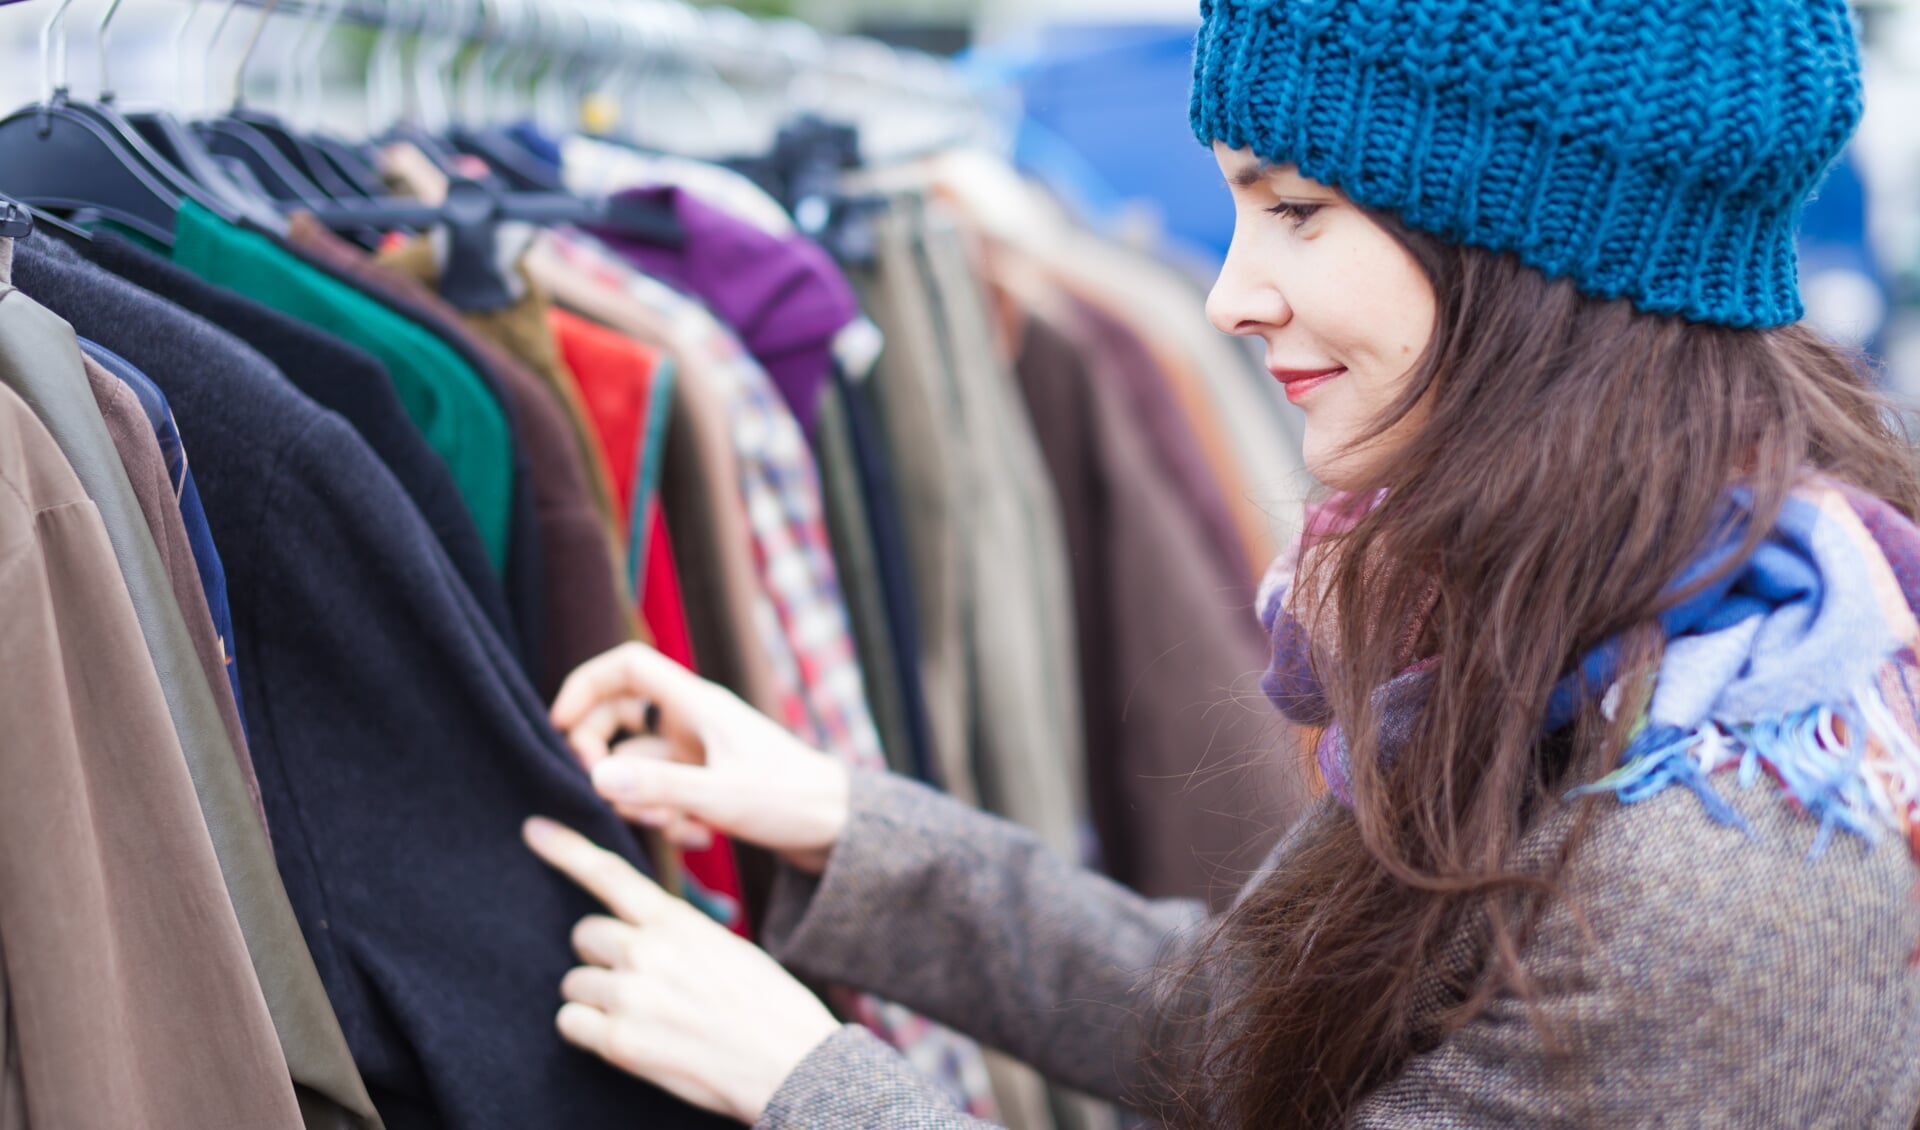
(1608, 623)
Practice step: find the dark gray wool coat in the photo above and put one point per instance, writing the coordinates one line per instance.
(1725, 978)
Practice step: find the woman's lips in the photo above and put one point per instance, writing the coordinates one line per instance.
(1300, 382)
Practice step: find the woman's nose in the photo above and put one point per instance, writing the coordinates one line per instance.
(1243, 302)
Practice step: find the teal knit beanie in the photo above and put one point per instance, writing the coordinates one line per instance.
(1657, 150)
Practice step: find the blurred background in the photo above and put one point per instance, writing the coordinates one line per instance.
(1088, 97)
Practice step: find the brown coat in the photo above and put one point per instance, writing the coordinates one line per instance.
(128, 995)
(1186, 762)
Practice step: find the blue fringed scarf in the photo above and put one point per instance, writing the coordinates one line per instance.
(1795, 664)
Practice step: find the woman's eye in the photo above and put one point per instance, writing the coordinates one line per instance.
(1296, 211)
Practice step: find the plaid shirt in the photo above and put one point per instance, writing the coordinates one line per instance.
(800, 615)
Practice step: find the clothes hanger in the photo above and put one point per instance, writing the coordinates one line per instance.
(221, 186)
(352, 167)
(392, 108)
(509, 160)
(16, 220)
(472, 213)
(233, 137)
(56, 158)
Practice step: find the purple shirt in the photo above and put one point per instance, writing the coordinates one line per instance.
(783, 295)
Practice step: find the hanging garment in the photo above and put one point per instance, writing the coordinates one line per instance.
(699, 482)
(343, 379)
(399, 749)
(1249, 436)
(1028, 757)
(446, 399)
(756, 463)
(522, 330)
(595, 168)
(581, 613)
(193, 515)
(623, 386)
(848, 420)
(783, 297)
(910, 392)
(848, 527)
(40, 360)
(1262, 430)
(1186, 769)
(1126, 361)
(118, 933)
(154, 487)
(660, 601)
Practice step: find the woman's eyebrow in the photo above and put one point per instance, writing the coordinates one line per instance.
(1250, 175)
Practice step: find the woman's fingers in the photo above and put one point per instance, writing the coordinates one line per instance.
(591, 735)
(587, 1028)
(631, 670)
(606, 876)
(605, 942)
(592, 986)
(688, 835)
(640, 782)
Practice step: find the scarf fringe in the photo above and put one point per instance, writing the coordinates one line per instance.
(1852, 767)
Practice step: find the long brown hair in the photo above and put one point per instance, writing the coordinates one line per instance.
(1570, 456)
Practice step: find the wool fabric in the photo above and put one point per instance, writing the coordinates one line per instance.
(1793, 664)
(1655, 152)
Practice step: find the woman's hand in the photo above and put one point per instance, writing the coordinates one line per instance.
(669, 995)
(703, 761)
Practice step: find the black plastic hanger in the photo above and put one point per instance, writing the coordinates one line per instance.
(305, 155)
(511, 161)
(803, 173)
(16, 222)
(199, 174)
(56, 158)
(472, 214)
(352, 163)
(284, 181)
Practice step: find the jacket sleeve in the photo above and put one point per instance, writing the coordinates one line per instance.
(855, 1080)
(972, 922)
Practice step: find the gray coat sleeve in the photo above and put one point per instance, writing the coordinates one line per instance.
(972, 922)
(1691, 974)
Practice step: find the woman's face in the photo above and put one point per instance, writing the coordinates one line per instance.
(1344, 310)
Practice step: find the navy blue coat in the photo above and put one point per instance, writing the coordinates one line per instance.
(338, 375)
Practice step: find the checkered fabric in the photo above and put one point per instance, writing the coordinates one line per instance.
(800, 615)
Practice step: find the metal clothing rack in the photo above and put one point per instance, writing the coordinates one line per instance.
(558, 50)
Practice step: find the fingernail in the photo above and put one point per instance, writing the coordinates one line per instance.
(539, 831)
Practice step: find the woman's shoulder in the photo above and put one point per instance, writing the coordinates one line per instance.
(1677, 873)
(1695, 971)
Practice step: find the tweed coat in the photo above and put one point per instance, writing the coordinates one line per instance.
(1696, 974)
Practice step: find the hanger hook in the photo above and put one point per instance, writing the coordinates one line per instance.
(219, 29)
(383, 63)
(51, 33)
(100, 37)
(246, 53)
(283, 75)
(180, 53)
(311, 83)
